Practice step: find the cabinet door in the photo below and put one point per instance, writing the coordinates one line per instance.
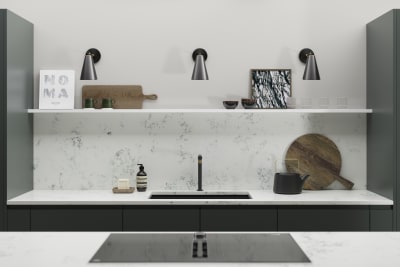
(381, 218)
(323, 218)
(161, 218)
(80, 218)
(18, 218)
(238, 218)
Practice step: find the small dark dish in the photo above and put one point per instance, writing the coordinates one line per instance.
(249, 103)
(230, 104)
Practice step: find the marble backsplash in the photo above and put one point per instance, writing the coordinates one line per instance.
(240, 150)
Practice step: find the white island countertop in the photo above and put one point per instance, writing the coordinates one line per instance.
(258, 197)
(367, 249)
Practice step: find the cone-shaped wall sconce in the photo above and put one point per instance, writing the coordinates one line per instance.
(199, 71)
(88, 72)
(311, 70)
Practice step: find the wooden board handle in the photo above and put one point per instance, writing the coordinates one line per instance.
(315, 186)
(151, 97)
(346, 183)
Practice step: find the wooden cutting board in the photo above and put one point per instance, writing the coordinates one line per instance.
(318, 156)
(124, 96)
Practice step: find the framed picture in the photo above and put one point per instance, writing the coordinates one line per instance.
(271, 87)
(57, 89)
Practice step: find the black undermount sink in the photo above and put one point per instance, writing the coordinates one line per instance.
(200, 195)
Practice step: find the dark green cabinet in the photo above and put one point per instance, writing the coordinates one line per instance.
(161, 218)
(18, 218)
(16, 91)
(323, 218)
(79, 218)
(381, 218)
(200, 218)
(383, 125)
(238, 218)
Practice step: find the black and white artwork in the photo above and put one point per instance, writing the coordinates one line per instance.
(271, 87)
(57, 89)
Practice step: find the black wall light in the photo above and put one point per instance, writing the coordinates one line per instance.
(311, 72)
(200, 71)
(92, 56)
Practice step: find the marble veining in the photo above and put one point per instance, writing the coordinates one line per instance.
(240, 151)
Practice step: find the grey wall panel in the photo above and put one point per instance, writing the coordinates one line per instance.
(397, 90)
(19, 99)
(3, 114)
(380, 97)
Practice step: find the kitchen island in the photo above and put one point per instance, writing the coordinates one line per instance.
(323, 249)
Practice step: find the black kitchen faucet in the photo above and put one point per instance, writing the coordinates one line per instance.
(199, 173)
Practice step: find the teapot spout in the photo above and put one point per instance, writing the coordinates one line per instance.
(304, 178)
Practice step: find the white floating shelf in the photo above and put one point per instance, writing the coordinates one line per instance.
(84, 111)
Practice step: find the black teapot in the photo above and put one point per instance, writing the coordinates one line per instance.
(289, 182)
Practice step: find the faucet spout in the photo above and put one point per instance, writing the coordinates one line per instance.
(199, 173)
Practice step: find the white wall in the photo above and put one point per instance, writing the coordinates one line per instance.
(150, 42)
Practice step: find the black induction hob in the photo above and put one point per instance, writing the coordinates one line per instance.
(199, 247)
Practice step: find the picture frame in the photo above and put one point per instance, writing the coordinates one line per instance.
(271, 87)
(56, 89)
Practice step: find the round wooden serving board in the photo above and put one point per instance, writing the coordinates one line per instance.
(318, 156)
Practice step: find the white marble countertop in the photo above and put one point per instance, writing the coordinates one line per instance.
(367, 249)
(259, 197)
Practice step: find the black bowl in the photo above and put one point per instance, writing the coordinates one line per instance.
(248, 103)
(230, 104)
